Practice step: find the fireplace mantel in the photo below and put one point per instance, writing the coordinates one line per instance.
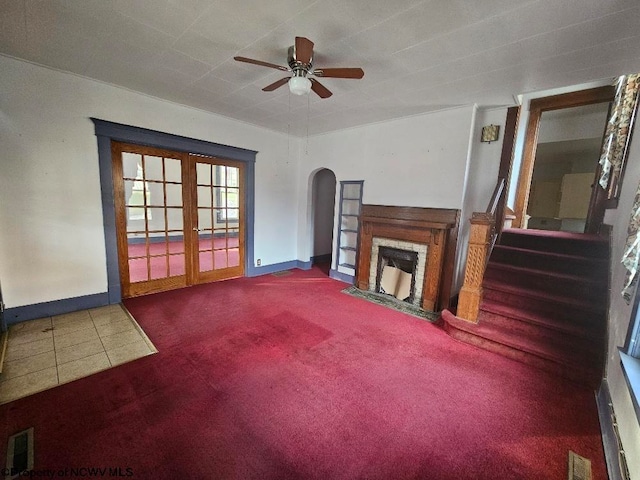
(435, 227)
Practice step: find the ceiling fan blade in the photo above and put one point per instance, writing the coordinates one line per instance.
(274, 85)
(339, 72)
(259, 62)
(304, 49)
(321, 90)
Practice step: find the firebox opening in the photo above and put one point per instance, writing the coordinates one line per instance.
(396, 273)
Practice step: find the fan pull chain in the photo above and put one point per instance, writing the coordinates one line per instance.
(306, 148)
(289, 130)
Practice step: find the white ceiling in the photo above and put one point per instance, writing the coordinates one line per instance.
(418, 56)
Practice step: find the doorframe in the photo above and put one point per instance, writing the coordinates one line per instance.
(107, 131)
(537, 107)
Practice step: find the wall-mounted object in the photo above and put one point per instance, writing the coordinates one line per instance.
(490, 133)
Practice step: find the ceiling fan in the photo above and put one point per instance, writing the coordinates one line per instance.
(300, 60)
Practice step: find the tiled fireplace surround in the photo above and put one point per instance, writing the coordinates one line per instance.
(433, 230)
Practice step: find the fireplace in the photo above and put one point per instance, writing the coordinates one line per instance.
(407, 256)
(391, 260)
(426, 236)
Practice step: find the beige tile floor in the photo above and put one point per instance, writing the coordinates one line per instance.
(51, 351)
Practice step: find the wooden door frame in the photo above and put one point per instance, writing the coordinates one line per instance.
(537, 107)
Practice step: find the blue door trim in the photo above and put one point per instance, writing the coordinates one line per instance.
(109, 131)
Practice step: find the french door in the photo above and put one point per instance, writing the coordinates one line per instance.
(179, 218)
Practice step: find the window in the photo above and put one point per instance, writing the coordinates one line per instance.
(630, 357)
(140, 196)
(227, 193)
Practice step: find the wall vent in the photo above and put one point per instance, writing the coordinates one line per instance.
(579, 467)
(613, 450)
(622, 458)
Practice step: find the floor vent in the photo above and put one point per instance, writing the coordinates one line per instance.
(283, 273)
(579, 467)
(19, 454)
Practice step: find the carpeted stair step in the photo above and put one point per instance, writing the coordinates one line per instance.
(544, 282)
(550, 358)
(581, 244)
(552, 345)
(542, 303)
(550, 261)
(577, 339)
(588, 327)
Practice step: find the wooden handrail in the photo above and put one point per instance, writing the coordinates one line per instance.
(482, 237)
(496, 197)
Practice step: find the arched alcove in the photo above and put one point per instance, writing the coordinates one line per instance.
(323, 194)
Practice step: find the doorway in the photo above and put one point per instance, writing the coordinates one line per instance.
(179, 218)
(560, 163)
(566, 161)
(323, 201)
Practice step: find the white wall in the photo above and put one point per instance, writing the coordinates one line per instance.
(419, 161)
(51, 233)
(482, 176)
(620, 312)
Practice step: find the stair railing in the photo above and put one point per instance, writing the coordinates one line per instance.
(482, 237)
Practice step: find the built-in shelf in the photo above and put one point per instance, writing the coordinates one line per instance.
(348, 222)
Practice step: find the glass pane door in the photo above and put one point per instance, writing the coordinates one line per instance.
(219, 219)
(152, 218)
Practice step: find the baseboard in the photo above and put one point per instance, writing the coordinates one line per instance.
(67, 305)
(4, 337)
(278, 267)
(56, 307)
(610, 438)
(343, 277)
(326, 258)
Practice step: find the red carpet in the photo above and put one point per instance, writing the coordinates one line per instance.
(287, 378)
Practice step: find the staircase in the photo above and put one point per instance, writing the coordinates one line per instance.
(544, 303)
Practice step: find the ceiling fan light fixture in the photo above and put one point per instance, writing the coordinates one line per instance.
(299, 85)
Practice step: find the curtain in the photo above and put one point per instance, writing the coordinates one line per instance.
(617, 135)
(617, 132)
(631, 256)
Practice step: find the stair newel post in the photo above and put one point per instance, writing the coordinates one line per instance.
(480, 239)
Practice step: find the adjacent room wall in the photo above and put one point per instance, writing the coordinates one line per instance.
(620, 312)
(51, 233)
(575, 123)
(419, 161)
(324, 197)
